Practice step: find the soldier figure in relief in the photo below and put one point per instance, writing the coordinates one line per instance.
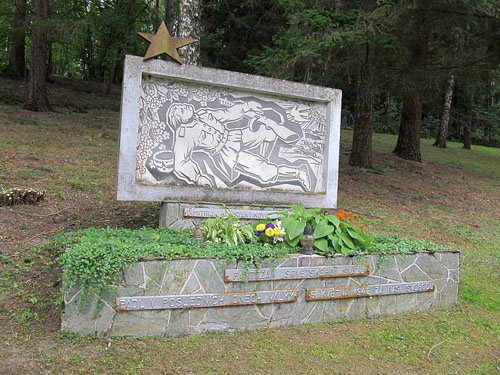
(231, 149)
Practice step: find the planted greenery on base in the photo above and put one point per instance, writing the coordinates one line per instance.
(94, 257)
(332, 233)
(228, 230)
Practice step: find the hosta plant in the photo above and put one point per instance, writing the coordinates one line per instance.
(228, 230)
(339, 233)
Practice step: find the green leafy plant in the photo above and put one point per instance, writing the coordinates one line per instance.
(332, 233)
(387, 244)
(228, 230)
(93, 258)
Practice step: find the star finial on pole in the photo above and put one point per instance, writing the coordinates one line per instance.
(163, 42)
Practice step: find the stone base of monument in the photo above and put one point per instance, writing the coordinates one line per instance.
(190, 296)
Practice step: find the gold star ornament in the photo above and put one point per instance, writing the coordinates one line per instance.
(163, 42)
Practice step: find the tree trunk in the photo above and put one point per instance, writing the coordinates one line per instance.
(88, 54)
(112, 74)
(17, 63)
(37, 100)
(468, 121)
(361, 153)
(190, 27)
(408, 145)
(445, 117)
(50, 65)
(170, 16)
(120, 40)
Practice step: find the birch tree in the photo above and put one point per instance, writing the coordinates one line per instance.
(190, 27)
(445, 117)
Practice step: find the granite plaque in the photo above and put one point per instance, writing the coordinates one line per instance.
(368, 290)
(195, 134)
(291, 273)
(221, 212)
(187, 301)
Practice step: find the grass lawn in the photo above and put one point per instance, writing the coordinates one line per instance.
(453, 198)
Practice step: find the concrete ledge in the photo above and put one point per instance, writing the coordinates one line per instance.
(191, 277)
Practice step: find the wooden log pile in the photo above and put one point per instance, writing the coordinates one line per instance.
(21, 196)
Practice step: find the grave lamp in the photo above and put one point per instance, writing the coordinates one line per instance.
(307, 240)
(198, 236)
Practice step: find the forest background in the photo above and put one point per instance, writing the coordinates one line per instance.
(416, 68)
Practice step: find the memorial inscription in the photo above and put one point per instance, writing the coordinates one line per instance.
(291, 273)
(205, 300)
(368, 290)
(221, 212)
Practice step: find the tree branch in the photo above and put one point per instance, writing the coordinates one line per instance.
(457, 12)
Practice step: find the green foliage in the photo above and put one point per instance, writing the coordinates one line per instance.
(385, 244)
(94, 257)
(331, 235)
(235, 29)
(325, 42)
(5, 28)
(228, 230)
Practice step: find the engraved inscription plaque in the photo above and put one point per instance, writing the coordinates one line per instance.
(221, 212)
(368, 290)
(291, 273)
(186, 301)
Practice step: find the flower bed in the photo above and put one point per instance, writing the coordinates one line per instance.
(175, 282)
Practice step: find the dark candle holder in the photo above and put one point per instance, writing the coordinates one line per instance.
(307, 240)
(198, 236)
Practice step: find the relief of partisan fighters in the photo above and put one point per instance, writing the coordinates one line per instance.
(229, 148)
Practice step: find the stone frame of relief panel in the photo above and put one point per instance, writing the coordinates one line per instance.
(162, 159)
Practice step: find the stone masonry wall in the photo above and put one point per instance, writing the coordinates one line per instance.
(156, 277)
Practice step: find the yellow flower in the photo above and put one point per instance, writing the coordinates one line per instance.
(276, 231)
(261, 227)
(269, 232)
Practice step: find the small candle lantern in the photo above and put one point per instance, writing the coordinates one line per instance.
(198, 236)
(307, 240)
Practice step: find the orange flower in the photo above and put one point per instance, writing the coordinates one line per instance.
(356, 216)
(342, 212)
(355, 223)
(362, 227)
(338, 216)
(341, 225)
(342, 218)
(349, 218)
(349, 213)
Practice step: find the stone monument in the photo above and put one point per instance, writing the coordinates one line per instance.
(195, 137)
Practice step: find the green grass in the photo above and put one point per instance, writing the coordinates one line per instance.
(479, 161)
